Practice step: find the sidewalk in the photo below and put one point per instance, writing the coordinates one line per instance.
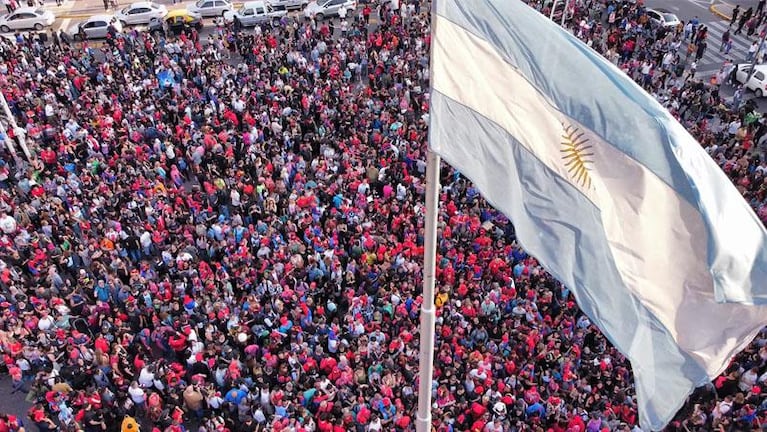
(722, 9)
(74, 9)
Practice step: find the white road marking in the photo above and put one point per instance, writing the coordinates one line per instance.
(64, 25)
(703, 4)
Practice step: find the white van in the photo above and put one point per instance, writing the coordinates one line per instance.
(758, 81)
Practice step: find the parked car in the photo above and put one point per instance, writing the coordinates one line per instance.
(252, 13)
(95, 27)
(25, 18)
(320, 9)
(176, 22)
(758, 81)
(663, 17)
(209, 8)
(288, 4)
(141, 13)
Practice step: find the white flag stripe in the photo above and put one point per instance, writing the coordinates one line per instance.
(677, 299)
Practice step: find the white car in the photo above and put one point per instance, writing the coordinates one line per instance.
(288, 4)
(141, 13)
(320, 9)
(95, 27)
(25, 18)
(252, 13)
(663, 18)
(758, 81)
(208, 8)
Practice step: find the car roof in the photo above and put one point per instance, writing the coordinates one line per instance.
(141, 4)
(25, 9)
(177, 12)
(252, 4)
(99, 18)
(759, 67)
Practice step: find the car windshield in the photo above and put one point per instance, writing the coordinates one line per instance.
(669, 18)
(39, 11)
(200, 3)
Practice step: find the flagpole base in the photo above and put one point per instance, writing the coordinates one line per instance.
(423, 424)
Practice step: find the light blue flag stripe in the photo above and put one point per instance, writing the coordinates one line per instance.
(540, 204)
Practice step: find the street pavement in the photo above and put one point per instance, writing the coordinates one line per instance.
(14, 403)
(70, 12)
(689, 9)
(716, 17)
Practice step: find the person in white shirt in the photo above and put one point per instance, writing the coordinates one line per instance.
(7, 223)
(748, 379)
(375, 423)
(146, 377)
(215, 400)
(137, 394)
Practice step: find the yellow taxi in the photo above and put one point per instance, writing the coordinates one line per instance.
(176, 22)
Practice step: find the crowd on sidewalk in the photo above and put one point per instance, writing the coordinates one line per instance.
(225, 232)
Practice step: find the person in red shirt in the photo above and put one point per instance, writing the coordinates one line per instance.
(177, 342)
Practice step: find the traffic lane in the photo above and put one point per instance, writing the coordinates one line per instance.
(727, 92)
(688, 9)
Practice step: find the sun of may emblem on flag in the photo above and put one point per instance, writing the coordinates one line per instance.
(576, 154)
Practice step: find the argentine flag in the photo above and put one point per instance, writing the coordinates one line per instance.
(605, 188)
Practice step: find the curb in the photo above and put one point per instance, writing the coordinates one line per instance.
(718, 13)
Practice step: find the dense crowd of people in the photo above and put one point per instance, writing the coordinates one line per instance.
(224, 233)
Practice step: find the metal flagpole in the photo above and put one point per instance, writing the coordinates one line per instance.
(426, 353)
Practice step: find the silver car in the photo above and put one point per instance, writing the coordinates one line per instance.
(288, 4)
(24, 18)
(141, 13)
(95, 27)
(209, 8)
(328, 8)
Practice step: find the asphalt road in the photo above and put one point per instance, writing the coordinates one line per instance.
(14, 403)
(687, 9)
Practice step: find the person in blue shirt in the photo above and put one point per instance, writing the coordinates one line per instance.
(387, 409)
(235, 395)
